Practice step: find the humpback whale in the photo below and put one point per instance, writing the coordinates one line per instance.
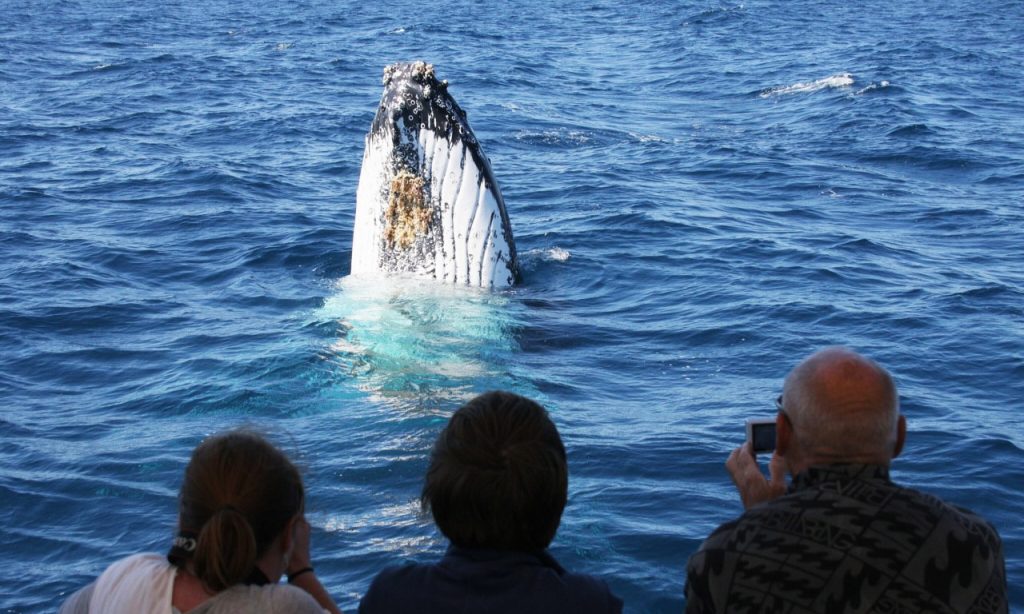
(427, 203)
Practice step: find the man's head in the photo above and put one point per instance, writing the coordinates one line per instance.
(498, 477)
(839, 407)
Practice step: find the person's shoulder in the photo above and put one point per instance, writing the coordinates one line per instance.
(723, 533)
(592, 592)
(975, 523)
(771, 513)
(288, 598)
(135, 583)
(134, 568)
(142, 559)
(965, 545)
(396, 585)
(969, 521)
(710, 552)
(266, 598)
(406, 572)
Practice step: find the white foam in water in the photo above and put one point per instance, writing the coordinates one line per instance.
(397, 331)
(648, 138)
(874, 86)
(554, 254)
(560, 136)
(558, 254)
(844, 79)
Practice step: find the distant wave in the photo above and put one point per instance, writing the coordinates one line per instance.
(559, 137)
(844, 79)
(881, 85)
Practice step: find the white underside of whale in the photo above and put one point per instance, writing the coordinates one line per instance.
(466, 242)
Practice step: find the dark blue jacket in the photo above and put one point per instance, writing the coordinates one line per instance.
(487, 581)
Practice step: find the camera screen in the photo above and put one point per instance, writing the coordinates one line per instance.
(763, 437)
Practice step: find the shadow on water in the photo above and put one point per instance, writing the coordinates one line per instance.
(414, 343)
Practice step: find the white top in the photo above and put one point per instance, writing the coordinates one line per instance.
(145, 583)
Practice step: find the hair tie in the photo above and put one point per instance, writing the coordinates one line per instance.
(227, 508)
(184, 540)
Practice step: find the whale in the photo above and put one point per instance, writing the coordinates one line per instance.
(427, 204)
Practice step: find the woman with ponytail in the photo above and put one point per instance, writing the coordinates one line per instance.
(240, 529)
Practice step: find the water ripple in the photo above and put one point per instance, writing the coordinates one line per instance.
(700, 195)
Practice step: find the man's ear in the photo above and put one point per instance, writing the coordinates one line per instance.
(783, 434)
(901, 436)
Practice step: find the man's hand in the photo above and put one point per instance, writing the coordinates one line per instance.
(750, 482)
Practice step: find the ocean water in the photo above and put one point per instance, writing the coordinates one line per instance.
(702, 193)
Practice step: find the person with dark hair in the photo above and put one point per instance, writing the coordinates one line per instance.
(240, 528)
(842, 537)
(496, 486)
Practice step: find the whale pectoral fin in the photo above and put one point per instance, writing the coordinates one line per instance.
(427, 203)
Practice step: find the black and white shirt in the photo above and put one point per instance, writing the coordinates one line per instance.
(844, 538)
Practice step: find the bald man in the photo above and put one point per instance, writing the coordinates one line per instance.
(842, 537)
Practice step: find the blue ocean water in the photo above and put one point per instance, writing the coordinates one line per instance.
(702, 193)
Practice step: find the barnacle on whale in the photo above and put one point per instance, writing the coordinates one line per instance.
(407, 216)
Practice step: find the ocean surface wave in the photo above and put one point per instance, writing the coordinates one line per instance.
(701, 194)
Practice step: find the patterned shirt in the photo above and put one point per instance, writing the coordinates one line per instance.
(844, 538)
